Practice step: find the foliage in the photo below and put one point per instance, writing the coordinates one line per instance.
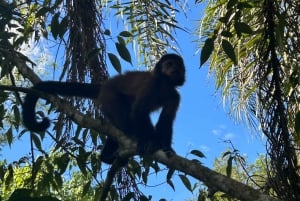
(254, 175)
(50, 181)
(151, 24)
(253, 51)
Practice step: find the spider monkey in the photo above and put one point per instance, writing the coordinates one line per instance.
(127, 101)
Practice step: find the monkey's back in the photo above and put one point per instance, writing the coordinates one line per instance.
(130, 83)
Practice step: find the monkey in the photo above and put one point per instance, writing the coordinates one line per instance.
(127, 101)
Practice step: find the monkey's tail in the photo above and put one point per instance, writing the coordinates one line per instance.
(52, 87)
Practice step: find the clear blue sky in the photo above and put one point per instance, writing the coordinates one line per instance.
(201, 121)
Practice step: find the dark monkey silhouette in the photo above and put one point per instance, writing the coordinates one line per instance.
(127, 100)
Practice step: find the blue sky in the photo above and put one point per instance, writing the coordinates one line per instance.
(201, 121)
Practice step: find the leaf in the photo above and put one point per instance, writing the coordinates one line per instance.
(86, 188)
(95, 163)
(125, 34)
(55, 25)
(63, 26)
(9, 175)
(63, 162)
(37, 166)
(123, 52)
(42, 12)
(121, 40)
(186, 182)
(226, 34)
(37, 141)
(171, 184)
(170, 173)
(16, 116)
(229, 167)
(58, 179)
(115, 62)
(229, 50)
(198, 153)
(226, 153)
(9, 136)
(241, 27)
(206, 51)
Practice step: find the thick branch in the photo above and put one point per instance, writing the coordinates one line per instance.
(209, 177)
(212, 179)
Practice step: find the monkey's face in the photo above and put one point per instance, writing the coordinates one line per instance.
(174, 71)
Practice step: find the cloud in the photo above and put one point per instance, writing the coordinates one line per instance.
(216, 132)
(222, 132)
(228, 136)
(204, 148)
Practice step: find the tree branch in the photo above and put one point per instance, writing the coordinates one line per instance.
(209, 177)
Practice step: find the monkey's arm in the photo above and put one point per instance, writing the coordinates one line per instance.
(164, 126)
(143, 128)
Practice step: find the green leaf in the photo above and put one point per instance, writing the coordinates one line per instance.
(37, 141)
(55, 25)
(229, 50)
(42, 12)
(9, 136)
(226, 34)
(121, 40)
(115, 62)
(63, 26)
(9, 176)
(241, 27)
(81, 160)
(62, 163)
(95, 163)
(186, 182)
(170, 173)
(58, 179)
(123, 52)
(198, 153)
(207, 50)
(125, 34)
(171, 184)
(37, 166)
(229, 167)
(16, 116)
(86, 188)
(226, 153)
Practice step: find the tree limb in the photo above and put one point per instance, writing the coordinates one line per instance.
(209, 177)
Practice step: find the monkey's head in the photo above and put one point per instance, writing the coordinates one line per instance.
(172, 68)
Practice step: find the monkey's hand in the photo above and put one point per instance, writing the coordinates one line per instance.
(150, 146)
